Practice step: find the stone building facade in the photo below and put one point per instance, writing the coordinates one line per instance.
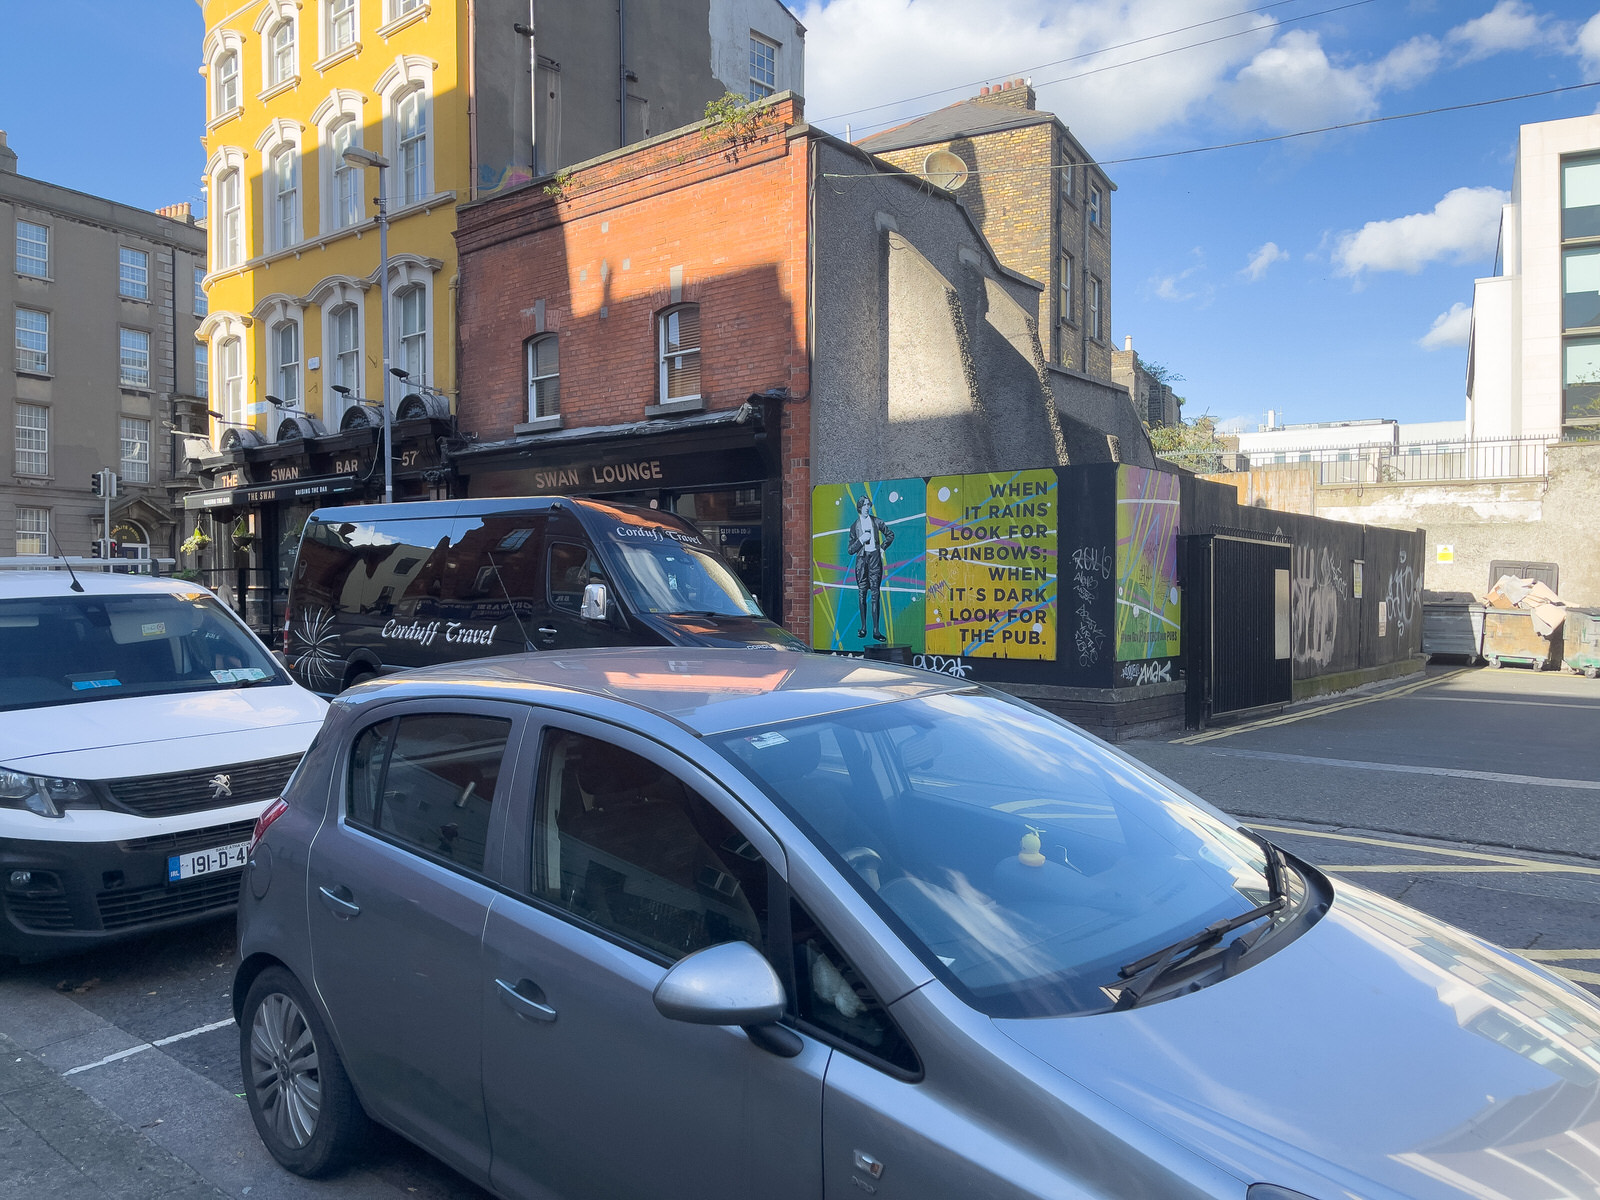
(1039, 199)
(1153, 400)
(103, 300)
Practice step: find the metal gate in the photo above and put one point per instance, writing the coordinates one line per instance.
(1239, 634)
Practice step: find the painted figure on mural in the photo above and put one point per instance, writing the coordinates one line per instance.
(869, 538)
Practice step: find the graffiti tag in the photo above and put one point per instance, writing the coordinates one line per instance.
(941, 664)
(1318, 587)
(1140, 674)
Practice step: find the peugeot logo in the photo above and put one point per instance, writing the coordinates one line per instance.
(221, 785)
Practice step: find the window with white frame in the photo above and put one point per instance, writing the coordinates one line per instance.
(135, 449)
(33, 341)
(33, 530)
(346, 176)
(399, 8)
(230, 222)
(1094, 206)
(544, 377)
(280, 53)
(285, 198)
(678, 343)
(231, 352)
(1068, 169)
(227, 85)
(1066, 288)
(201, 306)
(202, 370)
(344, 338)
(33, 439)
(411, 320)
(341, 25)
(286, 362)
(1094, 308)
(411, 130)
(763, 67)
(133, 274)
(33, 250)
(133, 367)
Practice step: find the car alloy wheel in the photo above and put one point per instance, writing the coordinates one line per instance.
(300, 1098)
(284, 1070)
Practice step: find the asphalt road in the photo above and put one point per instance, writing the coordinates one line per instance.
(1469, 794)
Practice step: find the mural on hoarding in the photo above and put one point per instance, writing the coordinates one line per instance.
(867, 564)
(1149, 604)
(992, 565)
(959, 566)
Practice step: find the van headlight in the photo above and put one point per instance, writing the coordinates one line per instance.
(41, 794)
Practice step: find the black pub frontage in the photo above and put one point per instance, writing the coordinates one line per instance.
(246, 519)
(718, 470)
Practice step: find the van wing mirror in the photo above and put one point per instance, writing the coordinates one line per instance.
(595, 602)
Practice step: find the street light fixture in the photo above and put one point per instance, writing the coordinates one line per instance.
(358, 157)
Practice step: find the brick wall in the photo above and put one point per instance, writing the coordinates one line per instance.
(677, 219)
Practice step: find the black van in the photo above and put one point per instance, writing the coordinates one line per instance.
(383, 586)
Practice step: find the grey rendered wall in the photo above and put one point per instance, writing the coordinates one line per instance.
(503, 92)
(1091, 409)
(926, 360)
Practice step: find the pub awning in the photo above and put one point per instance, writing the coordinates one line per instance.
(272, 493)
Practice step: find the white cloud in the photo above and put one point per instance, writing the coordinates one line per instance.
(1293, 84)
(1462, 227)
(1263, 258)
(1449, 329)
(869, 52)
(1242, 423)
(1509, 25)
(1588, 43)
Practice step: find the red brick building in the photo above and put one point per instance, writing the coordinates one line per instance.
(637, 328)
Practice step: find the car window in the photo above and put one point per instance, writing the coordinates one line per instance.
(572, 567)
(427, 781)
(830, 995)
(626, 845)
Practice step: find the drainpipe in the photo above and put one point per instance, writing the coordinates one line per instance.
(622, 73)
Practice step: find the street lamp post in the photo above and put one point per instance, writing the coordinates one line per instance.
(366, 158)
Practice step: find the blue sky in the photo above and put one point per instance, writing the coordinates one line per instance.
(1305, 276)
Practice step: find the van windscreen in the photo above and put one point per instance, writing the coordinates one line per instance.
(668, 570)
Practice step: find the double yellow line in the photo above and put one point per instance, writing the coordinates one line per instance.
(1211, 735)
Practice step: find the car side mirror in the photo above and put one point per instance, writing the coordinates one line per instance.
(730, 984)
(595, 602)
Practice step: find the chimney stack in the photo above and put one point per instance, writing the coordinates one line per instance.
(177, 212)
(8, 156)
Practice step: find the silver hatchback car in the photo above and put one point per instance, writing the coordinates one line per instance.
(717, 924)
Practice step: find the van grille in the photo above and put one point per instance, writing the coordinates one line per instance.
(40, 912)
(126, 907)
(192, 791)
(192, 839)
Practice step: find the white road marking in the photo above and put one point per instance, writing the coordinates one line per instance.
(1407, 769)
(166, 1041)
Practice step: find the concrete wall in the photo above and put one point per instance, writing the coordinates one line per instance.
(1090, 411)
(926, 355)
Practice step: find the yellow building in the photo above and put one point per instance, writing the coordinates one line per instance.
(292, 282)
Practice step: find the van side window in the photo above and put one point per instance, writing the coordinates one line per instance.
(427, 781)
(571, 568)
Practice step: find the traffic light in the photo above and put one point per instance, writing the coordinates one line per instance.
(104, 483)
(97, 483)
(112, 479)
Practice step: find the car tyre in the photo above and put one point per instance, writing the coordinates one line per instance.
(304, 1107)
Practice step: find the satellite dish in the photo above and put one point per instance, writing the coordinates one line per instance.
(944, 169)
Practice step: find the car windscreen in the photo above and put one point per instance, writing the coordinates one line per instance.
(1022, 861)
(67, 649)
(667, 570)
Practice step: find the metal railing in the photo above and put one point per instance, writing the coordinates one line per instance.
(1434, 462)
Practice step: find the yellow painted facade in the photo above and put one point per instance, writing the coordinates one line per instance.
(292, 266)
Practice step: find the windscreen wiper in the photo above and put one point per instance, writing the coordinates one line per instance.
(1144, 973)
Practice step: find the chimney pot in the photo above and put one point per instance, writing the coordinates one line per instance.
(985, 92)
(1127, 342)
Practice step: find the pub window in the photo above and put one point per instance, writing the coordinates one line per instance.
(543, 358)
(678, 342)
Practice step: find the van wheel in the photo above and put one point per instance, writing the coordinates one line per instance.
(359, 676)
(300, 1098)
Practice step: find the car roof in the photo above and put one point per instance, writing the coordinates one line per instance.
(34, 584)
(706, 690)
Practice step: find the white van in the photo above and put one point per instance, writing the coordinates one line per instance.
(143, 728)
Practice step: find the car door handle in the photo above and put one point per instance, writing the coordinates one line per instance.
(339, 902)
(547, 632)
(526, 999)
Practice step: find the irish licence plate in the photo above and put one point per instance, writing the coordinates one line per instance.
(205, 862)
